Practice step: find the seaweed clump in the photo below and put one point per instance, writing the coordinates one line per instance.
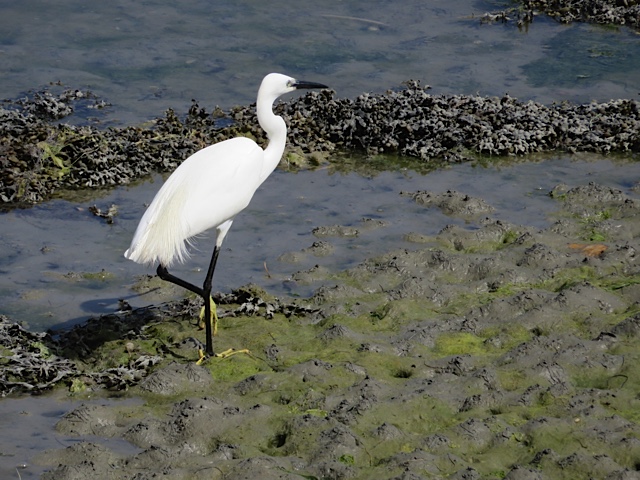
(604, 12)
(39, 155)
(119, 350)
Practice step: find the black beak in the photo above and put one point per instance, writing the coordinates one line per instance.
(303, 84)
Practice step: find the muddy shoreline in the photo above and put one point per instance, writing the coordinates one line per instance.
(493, 351)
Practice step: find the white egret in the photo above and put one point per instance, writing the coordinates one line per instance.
(208, 190)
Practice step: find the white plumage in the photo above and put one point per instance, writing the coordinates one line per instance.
(201, 194)
(208, 190)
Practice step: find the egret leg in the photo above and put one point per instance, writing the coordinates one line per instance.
(204, 292)
(210, 314)
(164, 274)
(208, 302)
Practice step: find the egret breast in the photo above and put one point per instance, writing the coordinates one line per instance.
(209, 188)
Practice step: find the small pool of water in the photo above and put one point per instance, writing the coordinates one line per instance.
(31, 421)
(45, 247)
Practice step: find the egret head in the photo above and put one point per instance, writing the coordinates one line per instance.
(276, 84)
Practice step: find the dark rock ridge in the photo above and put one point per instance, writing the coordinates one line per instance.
(38, 155)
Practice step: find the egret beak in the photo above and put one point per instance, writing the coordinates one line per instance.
(302, 84)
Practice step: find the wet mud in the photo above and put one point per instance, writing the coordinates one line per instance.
(491, 350)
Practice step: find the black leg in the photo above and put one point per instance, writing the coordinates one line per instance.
(164, 274)
(204, 292)
(206, 296)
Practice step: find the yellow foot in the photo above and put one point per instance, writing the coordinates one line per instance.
(226, 354)
(201, 357)
(213, 319)
(230, 352)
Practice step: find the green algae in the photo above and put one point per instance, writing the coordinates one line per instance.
(52, 155)
(504, 337)
(514, 379)
(102, 275)
(419, 416)
(591, 226)
(569, 277)
(416, 418)
(389, 316)
(459, 343)
(508, 238)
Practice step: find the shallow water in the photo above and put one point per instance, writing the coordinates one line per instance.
(50, 241)
(145, 57)
(31, 421)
